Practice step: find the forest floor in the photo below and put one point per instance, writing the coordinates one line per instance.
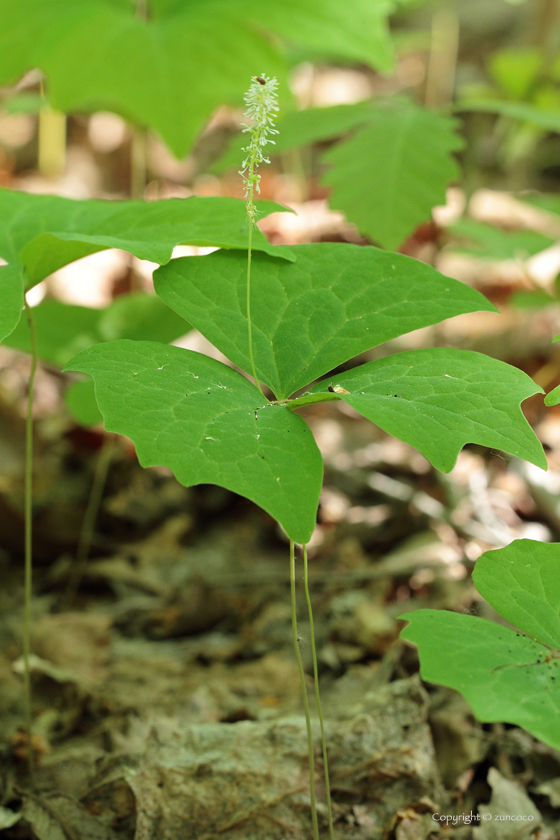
(165, 690)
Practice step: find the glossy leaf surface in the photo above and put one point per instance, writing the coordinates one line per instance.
(334, 302)
(440, 399)
(504, 674)
(393, 171)
(209, 425)
(170, 72)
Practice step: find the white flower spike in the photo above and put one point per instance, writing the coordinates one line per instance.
(261, 100)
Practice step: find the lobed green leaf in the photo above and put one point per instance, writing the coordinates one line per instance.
(44, 233)
(209, 425)
(393, 171)
(440, 399)
(171, 72)
(334, 302)
(63, 330)
(522, 583)
(504, 675)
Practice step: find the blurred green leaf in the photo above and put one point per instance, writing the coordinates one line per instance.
(63, 329)
(23, 103)
(495, 243)
(139, 317)
(380, 176)
(532, 300)
(549, 120)
(515, 70)
(390, 174)
(302, 128)
(81, 403)
(171, 72)
(544, 201)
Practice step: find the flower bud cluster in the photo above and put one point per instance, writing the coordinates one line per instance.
(262, 107)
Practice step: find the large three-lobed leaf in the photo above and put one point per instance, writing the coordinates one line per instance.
(43, 233)
(334, 302)
(439, 399)
(171, 71)
(506, 675)
(310, 315)
(208, 424)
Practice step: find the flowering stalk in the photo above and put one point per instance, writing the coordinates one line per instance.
(261, 101)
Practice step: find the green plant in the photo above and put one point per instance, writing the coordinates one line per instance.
(290, 315)
(157, 63)
(415, 145)
(308, 315)
(41, 234)
(506, 675)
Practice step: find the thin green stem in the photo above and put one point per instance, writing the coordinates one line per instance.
(249, 252)
(90, 517)
(311, 399)
(317, 694)
(28, 505)
(304, 693)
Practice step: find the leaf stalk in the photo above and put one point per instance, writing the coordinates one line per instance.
(28, 567)
(317, 693)
(303, 693)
